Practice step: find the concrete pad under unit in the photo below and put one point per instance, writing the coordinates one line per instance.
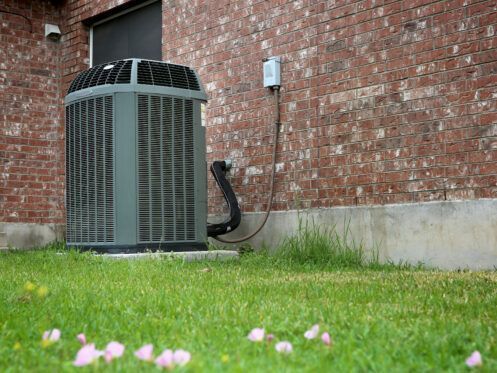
(189, 256)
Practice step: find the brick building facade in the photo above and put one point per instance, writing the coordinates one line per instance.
(382, 101)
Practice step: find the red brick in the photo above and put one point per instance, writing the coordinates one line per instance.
(372, 97)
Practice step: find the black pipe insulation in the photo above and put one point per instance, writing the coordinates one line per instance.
(218, 169)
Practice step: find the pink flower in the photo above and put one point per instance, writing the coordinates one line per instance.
(270, 337)
(474, 360)
(145, 353)
(87, 355)
(51, 335)
(284, 347)
(166, 359)
(325, 337)
(313, 332)
(81, 338)
(256, 335)
(113, 350)
(181, 357)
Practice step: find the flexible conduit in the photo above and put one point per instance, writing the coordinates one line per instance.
(218, 169)
(271, 182)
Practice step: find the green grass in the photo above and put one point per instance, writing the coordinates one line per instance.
(324, 245)
(381, 319)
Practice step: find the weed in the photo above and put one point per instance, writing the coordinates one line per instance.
(313, 243)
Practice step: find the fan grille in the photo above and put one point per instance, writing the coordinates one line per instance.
(90, 170)
(119, 73)
(167, 75)
(166, 195)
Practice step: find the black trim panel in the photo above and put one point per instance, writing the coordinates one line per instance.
(141, 248)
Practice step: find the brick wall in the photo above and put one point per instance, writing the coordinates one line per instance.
(382, 101)
(31, 126)
(75, 52)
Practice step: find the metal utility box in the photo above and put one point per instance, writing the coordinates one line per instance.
(135, 158)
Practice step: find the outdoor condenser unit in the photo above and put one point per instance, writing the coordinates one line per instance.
(135, 158)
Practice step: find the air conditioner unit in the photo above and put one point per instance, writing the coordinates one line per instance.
(135, 158)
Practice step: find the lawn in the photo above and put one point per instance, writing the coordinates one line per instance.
(380, 319)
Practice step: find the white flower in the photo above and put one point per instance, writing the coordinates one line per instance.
(284, 347)
(313, 332)
(256, 335)
(181, 357)
(51, 335)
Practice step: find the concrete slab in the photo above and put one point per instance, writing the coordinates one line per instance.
(445, 234)
(189, 256)
(27, 235)
(3, 241)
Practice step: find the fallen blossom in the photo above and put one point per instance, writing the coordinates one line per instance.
(325, 337)
(145, 353)
(181, 357)
(81, 338)
(50, 336)
(474, 360)
(256, 335)
(165, 359)
(313, 332)
(87, 355)
(284, 347)
(113, 350)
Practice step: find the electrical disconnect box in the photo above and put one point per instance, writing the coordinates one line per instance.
(272, 72)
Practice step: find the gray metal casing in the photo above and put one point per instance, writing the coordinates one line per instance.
(132, 128)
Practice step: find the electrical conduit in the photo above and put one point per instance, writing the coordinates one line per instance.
(214, 230)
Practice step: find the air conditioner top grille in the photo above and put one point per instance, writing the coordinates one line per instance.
(167, 75)
(117, 72)
(153, 73)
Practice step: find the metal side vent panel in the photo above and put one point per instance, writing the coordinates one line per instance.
(90, 171)
(166, 195)
(167, 75)
(120, 73)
